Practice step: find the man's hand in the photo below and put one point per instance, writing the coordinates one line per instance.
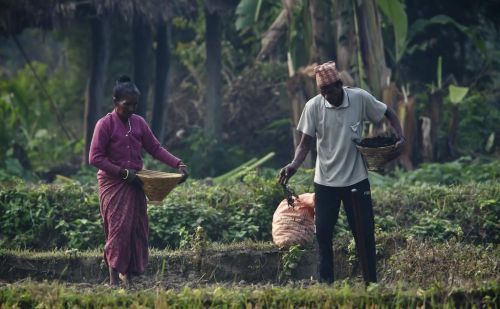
(287, 172)
(401, 140)
(300, 154)
(394, 121)
(183, 170)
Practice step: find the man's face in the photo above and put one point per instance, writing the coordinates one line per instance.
(126, 107)
(333, 93)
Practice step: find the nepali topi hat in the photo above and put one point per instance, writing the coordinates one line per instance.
(326, 74)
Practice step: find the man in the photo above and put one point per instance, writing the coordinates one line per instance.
(335, 117)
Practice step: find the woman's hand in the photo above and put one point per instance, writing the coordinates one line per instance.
(183, 169)
(130, 176)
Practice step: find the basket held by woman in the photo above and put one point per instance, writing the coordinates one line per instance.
(157, 185)
(378, 151)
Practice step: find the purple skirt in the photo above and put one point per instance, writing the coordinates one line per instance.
(123, 210)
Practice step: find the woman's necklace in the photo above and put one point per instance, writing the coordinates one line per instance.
(129, 127)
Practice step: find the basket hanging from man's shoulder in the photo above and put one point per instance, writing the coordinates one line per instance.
(378, 151)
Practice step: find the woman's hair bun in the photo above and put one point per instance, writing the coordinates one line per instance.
(123, 79)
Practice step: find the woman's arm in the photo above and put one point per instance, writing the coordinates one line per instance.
(154, 148)
(97, 153)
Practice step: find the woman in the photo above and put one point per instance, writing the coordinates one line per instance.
(116, 151)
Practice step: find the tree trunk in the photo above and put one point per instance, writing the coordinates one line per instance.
(426, 150)
(160, 105)
(300, 88)
(453, 131)
(142, 45)
(101, 41)
(272, 36)
(213, 40)
(278, 28)
(345, 36)
(409, 129)
(435, 104)
(372, 47)
(323, 37)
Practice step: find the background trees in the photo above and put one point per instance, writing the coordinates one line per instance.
(223, 82)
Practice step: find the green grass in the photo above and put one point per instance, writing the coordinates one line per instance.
(53, 295)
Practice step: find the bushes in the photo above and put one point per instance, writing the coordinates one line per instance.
(43, 217)
(50, 216)
(463, 170)
(468, 211)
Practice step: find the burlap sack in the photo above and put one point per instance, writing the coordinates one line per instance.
(294, 226)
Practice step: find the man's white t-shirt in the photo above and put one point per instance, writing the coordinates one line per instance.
(339, 163)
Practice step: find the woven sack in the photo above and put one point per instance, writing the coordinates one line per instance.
(157, 185)
(294, 226)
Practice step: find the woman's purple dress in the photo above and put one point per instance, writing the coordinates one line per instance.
(116, 145)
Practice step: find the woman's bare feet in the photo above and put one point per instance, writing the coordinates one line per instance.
(114, 278)
(126, 280)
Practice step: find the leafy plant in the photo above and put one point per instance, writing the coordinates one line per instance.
(290, 261)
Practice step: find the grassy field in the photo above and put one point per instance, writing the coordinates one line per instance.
(55, 295)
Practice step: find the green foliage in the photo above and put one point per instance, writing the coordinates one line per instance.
(207, 156)
(461, 171)
(29, 122)
(394, 10)
(67, 216)
(457, 94)
(247, 13)
(467, 212)
(253, 17)
(45, 217)
(300, 35)
(450, 263)
(43, 295)
(290, 261)
(421, 24)
(228, 213)
(479, 117)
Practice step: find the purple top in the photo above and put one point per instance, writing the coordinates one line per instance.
(115, 146)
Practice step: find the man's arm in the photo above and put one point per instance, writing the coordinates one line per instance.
(395, 124)
(300, 155)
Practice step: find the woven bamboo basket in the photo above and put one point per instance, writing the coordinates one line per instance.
(377, 157)
(157, 185)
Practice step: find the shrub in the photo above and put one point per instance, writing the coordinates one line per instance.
(50, 216)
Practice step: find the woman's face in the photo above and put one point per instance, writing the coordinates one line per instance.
(127, 105)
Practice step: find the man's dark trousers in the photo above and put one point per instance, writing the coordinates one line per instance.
(327, 212)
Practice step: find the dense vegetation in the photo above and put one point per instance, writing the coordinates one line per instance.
(457, 82)
(223, 83)
(417, 204)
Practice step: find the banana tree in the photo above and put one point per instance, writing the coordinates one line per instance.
(457, 95)
(372, 46)
(404, 35)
